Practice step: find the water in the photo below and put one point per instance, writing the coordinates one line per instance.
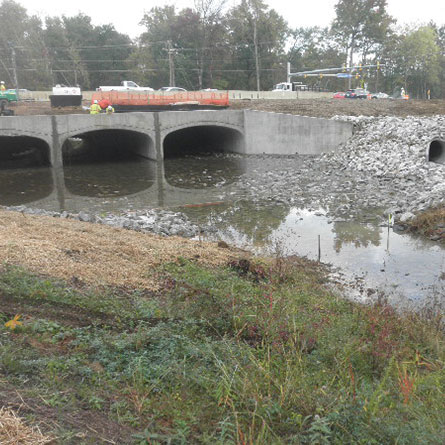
(371, 258)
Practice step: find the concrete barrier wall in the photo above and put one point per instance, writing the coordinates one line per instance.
(234, 95)
(277, 95)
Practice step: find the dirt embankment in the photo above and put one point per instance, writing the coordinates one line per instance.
(315, 107)
(327, 108)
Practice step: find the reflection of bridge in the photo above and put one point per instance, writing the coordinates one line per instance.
(157, 135)
(80, 187)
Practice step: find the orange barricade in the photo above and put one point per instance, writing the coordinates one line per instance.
(143, 99)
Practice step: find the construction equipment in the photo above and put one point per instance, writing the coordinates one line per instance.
(64, 96)
(7, 96)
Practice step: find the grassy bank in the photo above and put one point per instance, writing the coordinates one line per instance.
(236, 354)
(430, 223)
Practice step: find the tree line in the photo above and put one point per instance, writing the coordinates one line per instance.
(246, 47)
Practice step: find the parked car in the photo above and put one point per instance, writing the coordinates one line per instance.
(357, 93)
(126, 85)
(379, 96)
(209, 89)
(177, 89)
(339, 95)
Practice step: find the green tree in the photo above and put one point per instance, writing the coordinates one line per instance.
(23, 35)
(86, 54)
(256, 35)
(361, 26)
(418, 58)
(314, 48)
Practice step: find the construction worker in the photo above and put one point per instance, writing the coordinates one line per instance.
(109, 110)
(95, 108)
(2, 86)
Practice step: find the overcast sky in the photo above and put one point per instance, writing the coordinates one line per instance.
(126, 15)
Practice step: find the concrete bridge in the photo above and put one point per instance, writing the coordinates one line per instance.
(159, 135)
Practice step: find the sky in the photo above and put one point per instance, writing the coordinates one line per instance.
(126, 16)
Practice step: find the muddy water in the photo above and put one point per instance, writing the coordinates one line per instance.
(363, 252)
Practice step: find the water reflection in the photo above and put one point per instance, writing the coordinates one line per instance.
(110, 179)
(199, 172)
(23, 186)
(360, 250)
(358, 235)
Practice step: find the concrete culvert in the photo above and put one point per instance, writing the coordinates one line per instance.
(435, 151)
(203, 139)
(22, 152)
(107, 145)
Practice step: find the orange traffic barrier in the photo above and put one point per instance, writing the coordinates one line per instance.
(147, 99)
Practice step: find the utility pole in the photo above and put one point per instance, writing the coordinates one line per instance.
(171, 63)
(14, 71)
(255, 42)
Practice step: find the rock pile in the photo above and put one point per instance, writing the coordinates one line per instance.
(161, 222)
(393, 150)
(381, 170)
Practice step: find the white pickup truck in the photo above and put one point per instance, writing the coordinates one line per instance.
(126, 85)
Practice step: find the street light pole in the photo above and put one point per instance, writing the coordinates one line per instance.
(14, 71)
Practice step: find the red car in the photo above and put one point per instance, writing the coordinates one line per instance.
(339, 95)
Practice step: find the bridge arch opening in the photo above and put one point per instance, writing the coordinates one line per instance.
(23, 151)
(203, 139)
(108, 163)
(107, 146)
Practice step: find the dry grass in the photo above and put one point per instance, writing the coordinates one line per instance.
(428, 221)
(94, 253)
(14, 432)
